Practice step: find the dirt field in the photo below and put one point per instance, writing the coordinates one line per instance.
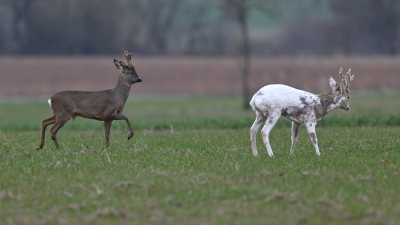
(21, 76)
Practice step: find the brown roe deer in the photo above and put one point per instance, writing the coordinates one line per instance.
(106, 105)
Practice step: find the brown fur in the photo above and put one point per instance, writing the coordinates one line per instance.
(313, 137)
(106, 105)
(326, 100)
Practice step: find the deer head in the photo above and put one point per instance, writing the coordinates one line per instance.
(128, 72)
(342, 90)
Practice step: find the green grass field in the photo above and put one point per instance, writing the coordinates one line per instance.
(190, 162)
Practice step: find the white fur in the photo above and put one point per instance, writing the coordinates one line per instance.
(301, 107)
(49, 101)
(272, 99)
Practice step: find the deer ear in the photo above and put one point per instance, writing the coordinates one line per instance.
(119, 64)
(332, 83)
(352, 78)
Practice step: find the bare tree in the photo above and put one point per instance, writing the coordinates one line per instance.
(239, 11)
(20, 11)
(375, 24)
(160, 16)
(199, 29)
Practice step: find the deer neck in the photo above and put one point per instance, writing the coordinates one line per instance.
(122, 89)
(329, 101)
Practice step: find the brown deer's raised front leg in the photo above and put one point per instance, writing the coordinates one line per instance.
(117, 116)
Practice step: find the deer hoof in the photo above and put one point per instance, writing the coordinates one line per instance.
(130, 136)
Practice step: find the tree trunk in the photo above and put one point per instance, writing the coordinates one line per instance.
(20, 9)
(246, 56)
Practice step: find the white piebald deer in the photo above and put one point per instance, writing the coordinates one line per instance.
(106, 105)
(301, 107)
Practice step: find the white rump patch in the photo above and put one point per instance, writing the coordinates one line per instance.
(49, 101)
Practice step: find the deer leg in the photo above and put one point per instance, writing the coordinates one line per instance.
(117, 116)
(260, 120)
(295, 132)
(271, 121)
(54, 129)
(107, 126)
(311, 131)
(45, 123)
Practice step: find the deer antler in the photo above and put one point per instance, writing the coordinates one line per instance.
(349, 78)
(128, 57)
(341, 73)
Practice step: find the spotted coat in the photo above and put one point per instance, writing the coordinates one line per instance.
(301, 107)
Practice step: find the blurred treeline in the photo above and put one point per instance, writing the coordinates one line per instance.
(199, 27)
